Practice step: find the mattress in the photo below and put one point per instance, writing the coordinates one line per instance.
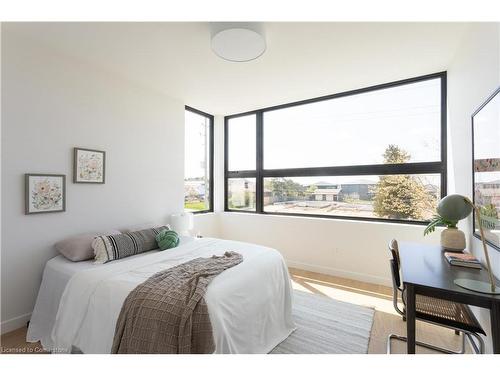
(56, 275)
(249, 305)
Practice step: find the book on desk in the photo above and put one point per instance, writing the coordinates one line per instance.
(462, 260)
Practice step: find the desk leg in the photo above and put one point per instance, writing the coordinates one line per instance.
(495, 326)
(410, 318)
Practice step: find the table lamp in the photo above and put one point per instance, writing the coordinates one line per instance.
(182, 223)
(454, 208)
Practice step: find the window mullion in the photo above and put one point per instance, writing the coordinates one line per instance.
(259, 182)
(358, 170)
(444, 125)
(226, 174)
(241, 174)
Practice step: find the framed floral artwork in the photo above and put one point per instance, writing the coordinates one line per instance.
(89, 166)
(45, 193)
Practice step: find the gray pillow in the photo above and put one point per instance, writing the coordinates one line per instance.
(78, 248)
(118, 246)
(138, 227)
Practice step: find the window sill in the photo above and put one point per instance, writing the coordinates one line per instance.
(201, 213)
(354, 220)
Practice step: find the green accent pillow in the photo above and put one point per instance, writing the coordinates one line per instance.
(167, 239)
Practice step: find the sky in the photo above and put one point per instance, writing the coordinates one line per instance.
(353, 130)
(241, 143)
(195, 144)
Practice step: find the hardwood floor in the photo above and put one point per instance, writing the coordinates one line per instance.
(15, 343)
(386, 320)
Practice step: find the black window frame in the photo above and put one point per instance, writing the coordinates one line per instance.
(211, 155)
(436, 167)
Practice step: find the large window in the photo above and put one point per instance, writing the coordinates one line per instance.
(377, 154)
(198, 161)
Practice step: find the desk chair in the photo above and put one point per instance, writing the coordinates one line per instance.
(453, 315)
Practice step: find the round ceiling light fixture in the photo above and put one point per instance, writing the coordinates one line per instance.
(238, 41)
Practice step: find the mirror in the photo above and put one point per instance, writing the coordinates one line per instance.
(486, 168)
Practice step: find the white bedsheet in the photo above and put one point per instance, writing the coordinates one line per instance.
(249, 304)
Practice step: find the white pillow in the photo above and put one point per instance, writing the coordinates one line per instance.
(99, 249)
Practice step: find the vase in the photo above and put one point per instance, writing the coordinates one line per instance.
(453, 239)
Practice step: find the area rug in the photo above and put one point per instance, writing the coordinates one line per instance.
(327, 326)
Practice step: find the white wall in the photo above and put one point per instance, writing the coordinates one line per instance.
(206, 225)
(473, 75)
(50, 104)
(352, 249)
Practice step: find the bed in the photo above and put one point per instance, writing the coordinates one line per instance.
(249, 305)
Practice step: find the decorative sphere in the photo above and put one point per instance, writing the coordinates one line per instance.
(454, 207)
(167, 239)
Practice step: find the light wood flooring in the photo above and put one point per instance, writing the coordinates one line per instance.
(386, 320)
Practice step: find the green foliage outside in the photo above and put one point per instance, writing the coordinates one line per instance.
(489, 210)
(401, 196)
(311, 189)
(286, 190)
(195, 206)
(245, 203)
(489, 216)
(241, 204)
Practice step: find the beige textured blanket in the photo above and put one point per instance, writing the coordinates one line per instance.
(167, 313)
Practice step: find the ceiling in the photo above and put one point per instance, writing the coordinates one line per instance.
(302, 60)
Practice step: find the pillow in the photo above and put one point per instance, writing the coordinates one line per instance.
(118, 246)
(78, 248)
(138, 227)
(167, 239)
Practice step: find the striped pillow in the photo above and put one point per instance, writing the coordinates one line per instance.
(118, 246)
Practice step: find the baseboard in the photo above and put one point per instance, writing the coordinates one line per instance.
(14, 323)
(340, 273)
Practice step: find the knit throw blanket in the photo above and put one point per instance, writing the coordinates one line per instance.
(167, 313)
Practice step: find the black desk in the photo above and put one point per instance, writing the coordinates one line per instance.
(425, 271)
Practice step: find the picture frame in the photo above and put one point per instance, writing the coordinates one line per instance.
(44, 193)
(89, 166)
(486, 168)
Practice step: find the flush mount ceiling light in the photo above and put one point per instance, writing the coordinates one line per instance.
(238, 41)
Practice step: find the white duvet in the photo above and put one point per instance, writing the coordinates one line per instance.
(249, 304)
